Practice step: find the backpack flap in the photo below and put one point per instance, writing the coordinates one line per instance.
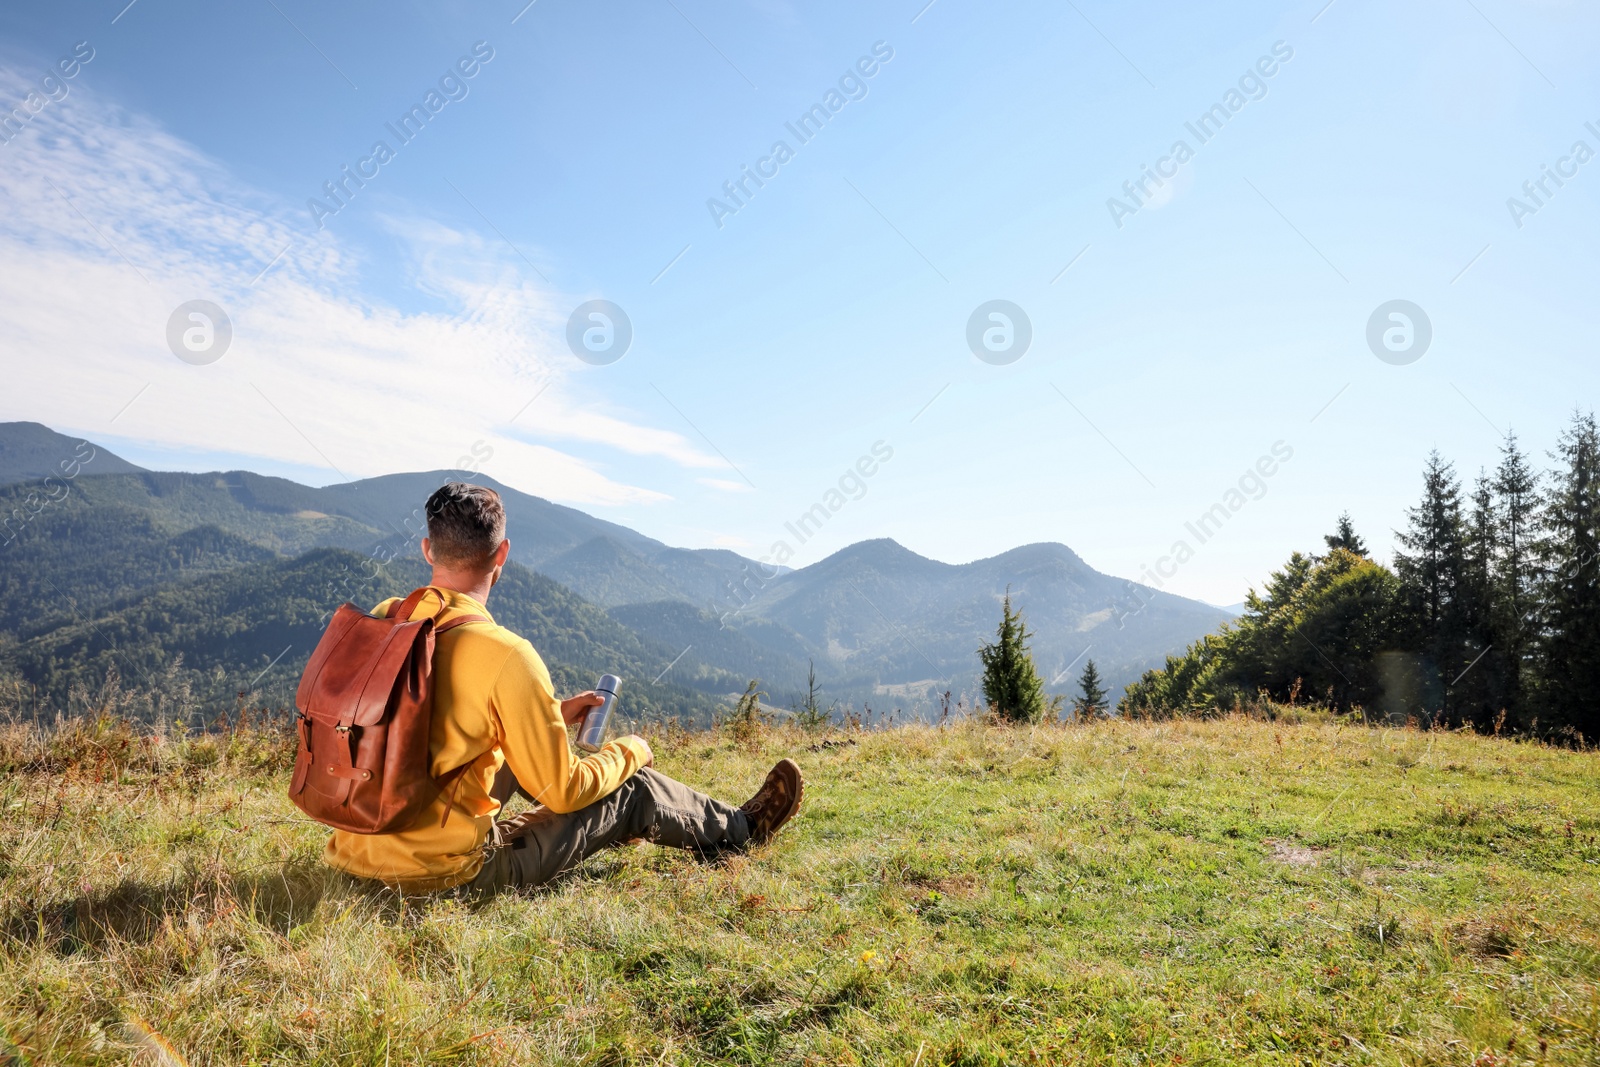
(343, 620)
(351, 677)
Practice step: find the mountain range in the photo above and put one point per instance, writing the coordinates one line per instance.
(105, 565)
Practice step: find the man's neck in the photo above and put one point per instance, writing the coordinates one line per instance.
(476, 586)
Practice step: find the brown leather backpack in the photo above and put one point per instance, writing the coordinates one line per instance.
(366, 713)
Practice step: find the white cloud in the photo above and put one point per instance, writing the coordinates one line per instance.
(726, 485)
(112, 222)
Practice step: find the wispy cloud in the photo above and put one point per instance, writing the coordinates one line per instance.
(725, 485)
(111, 222)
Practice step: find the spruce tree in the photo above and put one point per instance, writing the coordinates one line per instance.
(1345, 537)
(1478, 692)
(1479, 541)
(809, 714)
(1430, 564)
(1011, 684)
(1516, 504)
(1569, 638)
(1090, 703)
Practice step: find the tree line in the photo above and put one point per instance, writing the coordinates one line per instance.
(1489, 615)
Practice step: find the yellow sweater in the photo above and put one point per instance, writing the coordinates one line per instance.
(493, 704)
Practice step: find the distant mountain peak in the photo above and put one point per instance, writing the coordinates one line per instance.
(1039, 552)
(885, 545)
(30, 451)
(880, 551)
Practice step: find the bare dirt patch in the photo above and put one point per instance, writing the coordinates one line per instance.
(1488, 939)
(1291, 854)
(961, 885)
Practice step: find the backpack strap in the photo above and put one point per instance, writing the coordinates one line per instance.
(409, 604)
(454, 779)
(402, 613)
(460, 620)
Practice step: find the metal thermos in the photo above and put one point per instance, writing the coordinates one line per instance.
(593, 732)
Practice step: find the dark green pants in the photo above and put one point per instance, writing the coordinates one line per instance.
(532, 848)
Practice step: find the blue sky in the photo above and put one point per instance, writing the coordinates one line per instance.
(414, 325)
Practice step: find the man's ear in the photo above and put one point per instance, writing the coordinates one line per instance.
(501, 553)
(427, 551)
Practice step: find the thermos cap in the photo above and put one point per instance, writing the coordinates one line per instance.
(609, 683)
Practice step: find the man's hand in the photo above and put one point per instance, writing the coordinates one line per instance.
(573, 709)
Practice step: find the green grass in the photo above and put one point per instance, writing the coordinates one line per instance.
(1229, 892)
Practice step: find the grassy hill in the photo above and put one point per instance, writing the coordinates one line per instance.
(1225, 892)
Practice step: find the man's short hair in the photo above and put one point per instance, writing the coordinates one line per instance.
(466, 523)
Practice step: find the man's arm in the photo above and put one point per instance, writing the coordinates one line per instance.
(533, 736)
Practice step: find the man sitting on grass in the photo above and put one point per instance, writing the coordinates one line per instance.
(495, 712)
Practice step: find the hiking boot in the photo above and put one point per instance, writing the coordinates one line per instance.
(775, 803)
